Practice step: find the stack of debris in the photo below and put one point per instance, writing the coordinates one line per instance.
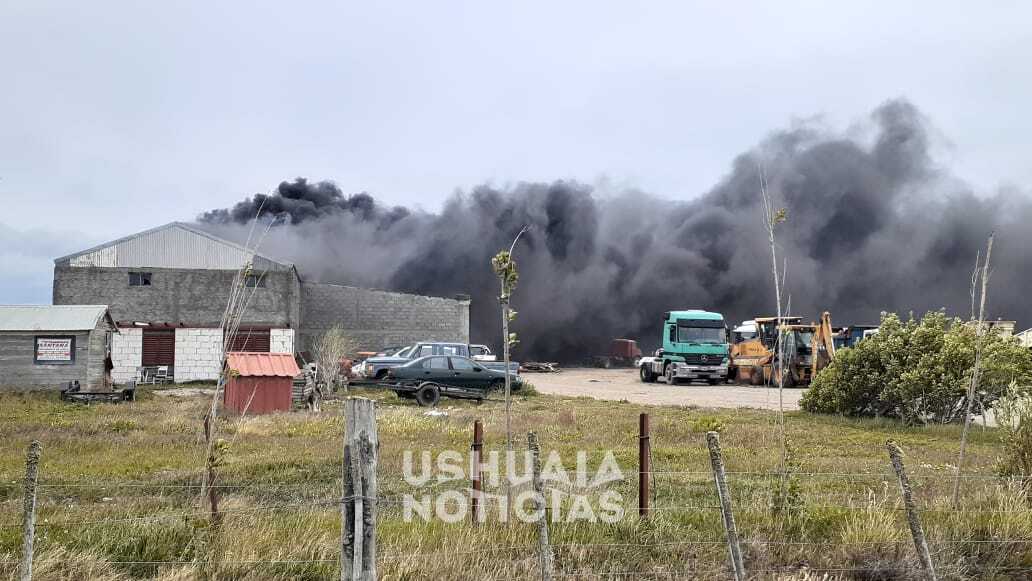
(538, 367)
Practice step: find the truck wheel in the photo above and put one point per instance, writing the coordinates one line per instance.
(668, 371)
(646, 374)
(756, 378)
(428, 395)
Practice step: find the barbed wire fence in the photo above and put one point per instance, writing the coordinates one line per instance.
(740, 509)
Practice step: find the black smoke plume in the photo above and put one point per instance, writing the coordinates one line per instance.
(873, 224)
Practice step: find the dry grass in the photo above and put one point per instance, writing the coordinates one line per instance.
(108, 463)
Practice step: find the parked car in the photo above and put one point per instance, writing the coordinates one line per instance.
(376, 367)
(481, 353)
(427, 378)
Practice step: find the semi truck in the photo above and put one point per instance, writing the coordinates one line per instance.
(695, 346)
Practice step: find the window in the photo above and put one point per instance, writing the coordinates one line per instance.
(700, 335)
(426, 350)
(435, 363)
(460, 364)
(255, 281)
(139, 279)
(452, 350)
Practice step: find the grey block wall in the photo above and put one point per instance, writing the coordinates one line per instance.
(190, 296)
(377, 319)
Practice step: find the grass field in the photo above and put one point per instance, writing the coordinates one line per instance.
(120, 496)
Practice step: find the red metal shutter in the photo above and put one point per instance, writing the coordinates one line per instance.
(159, 347)
(254, 340)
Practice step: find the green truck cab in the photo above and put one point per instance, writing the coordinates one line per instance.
(695, 346)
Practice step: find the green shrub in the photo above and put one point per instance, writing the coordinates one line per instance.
(918, 371)
(1014, 416)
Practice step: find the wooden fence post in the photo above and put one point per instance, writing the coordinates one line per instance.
(358, 504)
(913, 519)
(478, 445)
(29, 531)
(644, 465)
(544, 549)
(720, 477)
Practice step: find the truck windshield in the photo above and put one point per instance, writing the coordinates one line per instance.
(700, 335)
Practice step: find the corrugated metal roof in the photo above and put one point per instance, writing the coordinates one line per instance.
(262, 364)
(174, 245)
(51, 317)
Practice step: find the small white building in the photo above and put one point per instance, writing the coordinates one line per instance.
(1025, 338)
(189, 353)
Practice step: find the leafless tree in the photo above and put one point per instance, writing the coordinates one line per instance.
(329, 351)
(973, 386)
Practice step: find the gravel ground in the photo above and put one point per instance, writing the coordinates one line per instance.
(624, 384)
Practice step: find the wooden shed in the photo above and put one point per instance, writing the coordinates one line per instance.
(48, 346)
(259, 383)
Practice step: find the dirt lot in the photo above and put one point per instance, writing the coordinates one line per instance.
(624, 384)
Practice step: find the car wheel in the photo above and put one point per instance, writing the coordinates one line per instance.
(428, 395)
(647, 376)
(499, 385)
(380, 375)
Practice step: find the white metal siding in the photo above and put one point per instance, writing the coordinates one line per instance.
(173, 246)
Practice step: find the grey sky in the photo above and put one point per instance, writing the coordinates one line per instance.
(115, 117)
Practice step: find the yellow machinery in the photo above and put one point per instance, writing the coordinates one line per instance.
(806, 348)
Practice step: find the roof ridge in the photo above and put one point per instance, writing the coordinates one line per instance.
(174, 224)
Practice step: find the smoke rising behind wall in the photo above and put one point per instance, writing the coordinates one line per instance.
(873, 224)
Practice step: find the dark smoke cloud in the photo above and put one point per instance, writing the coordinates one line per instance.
(873, 224)
(298, 201)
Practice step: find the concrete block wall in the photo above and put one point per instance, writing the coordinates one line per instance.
(281, 340)
(190, 296)
(198, 354)
(126, 354)
(377, 319)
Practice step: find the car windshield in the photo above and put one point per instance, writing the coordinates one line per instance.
(700, 335)
(405, 352)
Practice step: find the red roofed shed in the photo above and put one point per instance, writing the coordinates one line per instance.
(259, 383)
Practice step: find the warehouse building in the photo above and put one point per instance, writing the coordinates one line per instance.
(44, 346)
(167, 289)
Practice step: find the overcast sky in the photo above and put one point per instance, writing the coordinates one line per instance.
(116, 117)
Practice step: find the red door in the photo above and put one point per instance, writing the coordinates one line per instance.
(159, 347)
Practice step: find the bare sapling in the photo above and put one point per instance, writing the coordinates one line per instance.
(973, 385)
(772, 217)
(505, 268)
(216, 449)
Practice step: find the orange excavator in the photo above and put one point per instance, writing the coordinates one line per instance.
(806, 350)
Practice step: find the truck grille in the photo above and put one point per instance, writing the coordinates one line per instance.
(703, 358)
